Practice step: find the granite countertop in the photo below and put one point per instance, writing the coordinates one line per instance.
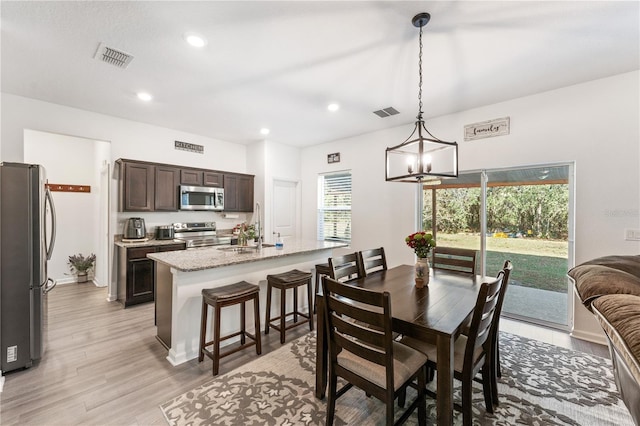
(149, 243)
(198, 259)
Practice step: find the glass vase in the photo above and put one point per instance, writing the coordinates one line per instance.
(422, 272)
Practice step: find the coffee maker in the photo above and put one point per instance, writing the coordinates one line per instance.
(134, 229)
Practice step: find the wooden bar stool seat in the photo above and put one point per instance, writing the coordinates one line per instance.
(217, 298)
(288, 280)
(321, 269)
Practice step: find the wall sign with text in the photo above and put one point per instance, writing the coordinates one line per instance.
(486, 129)
(191, 147)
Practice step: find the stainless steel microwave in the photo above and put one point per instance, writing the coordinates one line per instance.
(201, 198)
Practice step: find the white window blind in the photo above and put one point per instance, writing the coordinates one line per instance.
(334, 207)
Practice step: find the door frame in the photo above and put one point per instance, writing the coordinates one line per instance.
(483, 226)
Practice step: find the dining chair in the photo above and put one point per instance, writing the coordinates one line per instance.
(454, 259)
(473, 352)
(495, 359)
(368, 357)
(372, 260)
(345, 268)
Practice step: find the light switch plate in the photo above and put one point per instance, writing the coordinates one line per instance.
(632, 234)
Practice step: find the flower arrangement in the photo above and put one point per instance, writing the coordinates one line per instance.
(421, 243)
(250, 230)
(80, 264)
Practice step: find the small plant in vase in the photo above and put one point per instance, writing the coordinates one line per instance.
(80, 265)
(421, 243)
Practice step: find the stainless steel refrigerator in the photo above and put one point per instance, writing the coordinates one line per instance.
(27, 236)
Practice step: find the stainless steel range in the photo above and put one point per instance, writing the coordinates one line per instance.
(199, 234)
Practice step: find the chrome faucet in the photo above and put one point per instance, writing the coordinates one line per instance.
(258, 226)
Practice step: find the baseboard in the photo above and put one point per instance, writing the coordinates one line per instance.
(599, 338)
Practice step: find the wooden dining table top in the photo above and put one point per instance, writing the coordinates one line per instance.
(439, 307)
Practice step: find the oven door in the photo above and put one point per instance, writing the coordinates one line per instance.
(198, 198)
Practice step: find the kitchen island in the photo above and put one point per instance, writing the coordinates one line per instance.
(181, 276)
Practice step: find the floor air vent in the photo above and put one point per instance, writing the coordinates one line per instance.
(113, 56)
(386, 112)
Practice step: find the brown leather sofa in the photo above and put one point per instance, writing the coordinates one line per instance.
(610, 288)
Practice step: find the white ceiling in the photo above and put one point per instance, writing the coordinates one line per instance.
(278, 64)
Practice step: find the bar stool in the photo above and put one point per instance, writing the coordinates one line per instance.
(288, 280)
(321, 269)
(217, 298)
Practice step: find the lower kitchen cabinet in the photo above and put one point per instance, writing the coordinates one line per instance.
(136, 273)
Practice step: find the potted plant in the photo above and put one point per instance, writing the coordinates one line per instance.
(81, 265)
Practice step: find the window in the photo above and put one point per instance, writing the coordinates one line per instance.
(334, 207)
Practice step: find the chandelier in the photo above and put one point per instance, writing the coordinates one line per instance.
(422, 156)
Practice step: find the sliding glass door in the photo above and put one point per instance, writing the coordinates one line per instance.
(523, 215)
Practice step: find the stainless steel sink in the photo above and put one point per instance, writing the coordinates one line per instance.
(244, 249)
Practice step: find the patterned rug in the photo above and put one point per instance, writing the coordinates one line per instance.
(541, 384)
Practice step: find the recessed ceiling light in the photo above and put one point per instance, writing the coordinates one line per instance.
(195, 40)
(143, 96)
(264, 131)
(333, 107)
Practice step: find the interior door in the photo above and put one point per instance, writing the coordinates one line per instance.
(285, 208)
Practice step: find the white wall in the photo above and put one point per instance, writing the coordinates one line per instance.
(129, 139)
(595, 124)
(71, 160)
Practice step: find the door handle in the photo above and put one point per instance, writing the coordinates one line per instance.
(48, 288)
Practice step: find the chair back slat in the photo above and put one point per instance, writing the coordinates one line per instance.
(372, 260)
(345, 268)
(359, 321)
(483, 319)
(454, 259)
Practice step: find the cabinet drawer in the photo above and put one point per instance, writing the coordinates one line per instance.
(172, 247)
(139, 252)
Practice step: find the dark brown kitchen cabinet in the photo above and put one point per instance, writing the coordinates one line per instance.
(213, 179)
(167, 181)
(138, 188)
(197, 177)
(191, 177)
(136, 273)
(149, 187)
(238, 193)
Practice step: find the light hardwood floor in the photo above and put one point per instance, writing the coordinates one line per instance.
(103, 364)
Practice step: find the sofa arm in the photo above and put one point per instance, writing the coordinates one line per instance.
(619, 316)
(606, 275)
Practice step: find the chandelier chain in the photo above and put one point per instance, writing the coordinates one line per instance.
(420, 78)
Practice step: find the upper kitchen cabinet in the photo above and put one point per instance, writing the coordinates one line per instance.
(137, 186)
(238, 192)
(197, 177)
(191, 177)
(213, 179)
(148, 187)
(167, 181)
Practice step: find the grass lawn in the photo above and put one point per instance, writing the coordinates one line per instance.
(536, 263)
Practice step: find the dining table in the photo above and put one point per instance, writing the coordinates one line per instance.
(436, 313)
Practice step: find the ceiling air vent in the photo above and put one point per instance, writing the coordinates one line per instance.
(113, 56)
(386, 112)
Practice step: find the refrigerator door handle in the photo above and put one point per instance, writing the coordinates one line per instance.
(49, 287)
(51, 243)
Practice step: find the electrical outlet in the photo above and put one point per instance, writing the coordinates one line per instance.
(632, 234)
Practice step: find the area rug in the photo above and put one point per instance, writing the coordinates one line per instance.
(541, 384)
